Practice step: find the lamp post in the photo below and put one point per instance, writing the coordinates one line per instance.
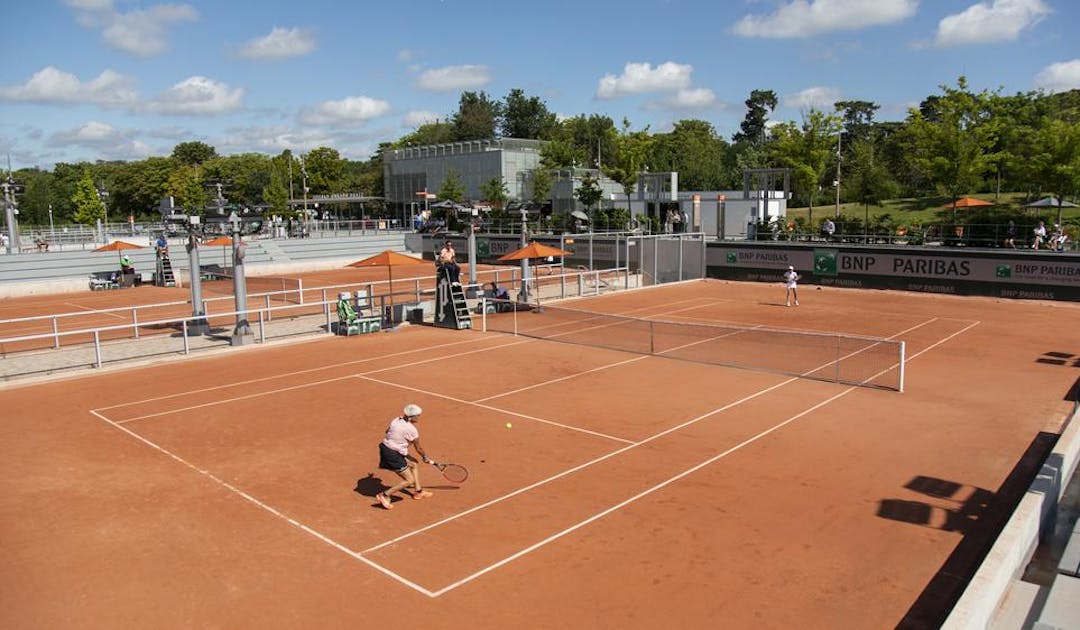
(242, 332)
(52, 232)
(836, 183)
(9, 214)
(103, 195)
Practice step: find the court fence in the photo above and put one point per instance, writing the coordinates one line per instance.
(833, 357)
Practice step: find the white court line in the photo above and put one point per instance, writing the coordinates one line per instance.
(87, 308)
(675, 478)
(490, 408)
(264, 506)
(317, 369)
(616, 452)
(634, 498)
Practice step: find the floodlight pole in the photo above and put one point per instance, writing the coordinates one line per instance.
(523, 295)
(9, 215)
(242, 332)
(839, 135)
(197, 325)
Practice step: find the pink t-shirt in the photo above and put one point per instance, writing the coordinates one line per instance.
(399, 434)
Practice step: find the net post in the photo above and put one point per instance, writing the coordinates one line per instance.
(183, 324)
(56, 332)
(135, 321)
(652, 337)
(515, 319)
(483, 313)
(300, 289)
(903, 362)
(836, 377)
(269, 315)
(97, 348)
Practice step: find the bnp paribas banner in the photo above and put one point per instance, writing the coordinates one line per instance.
(833, 262)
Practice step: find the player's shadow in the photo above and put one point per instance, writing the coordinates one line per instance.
(371, 485)
(966, 505)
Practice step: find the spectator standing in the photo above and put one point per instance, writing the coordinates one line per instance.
(1010, 235)
(828, 228)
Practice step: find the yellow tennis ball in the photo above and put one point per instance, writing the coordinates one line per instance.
(509, 426)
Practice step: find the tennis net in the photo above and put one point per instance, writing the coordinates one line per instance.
(834, 357)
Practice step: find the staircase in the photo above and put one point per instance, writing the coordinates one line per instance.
(451, 310)
(164, 276)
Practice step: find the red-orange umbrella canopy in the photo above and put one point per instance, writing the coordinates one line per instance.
(116, 246)
(971, 202)
(218, 241)
(389, 259)
(535, 250)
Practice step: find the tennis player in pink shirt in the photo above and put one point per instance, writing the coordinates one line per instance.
(394, 455)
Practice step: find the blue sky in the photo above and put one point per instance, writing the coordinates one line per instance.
(117, 79)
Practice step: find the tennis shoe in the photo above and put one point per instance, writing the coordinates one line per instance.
(423, 494)
(796, 302)
(384, 501)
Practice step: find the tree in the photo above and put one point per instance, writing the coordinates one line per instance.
(632, 148)
(477, 117)
(806, 150)
(541, 185)
(276, 191)
(193, 153)
(527, 117)
(494, 191)
(325, 170)
(438, 132)
(89, 209)
(951, 140)
(1057, 159)
(588, 192)
(186, 189)
(868, 181)
(758, 107)
(857, 118)
(452, 189)
(697, 153)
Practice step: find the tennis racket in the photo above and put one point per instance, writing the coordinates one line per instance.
(452, 472)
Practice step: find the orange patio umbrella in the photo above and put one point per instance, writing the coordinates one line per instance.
(534, 250)
(389, 259)
(118, 246)
(220, 241)
(968, 202)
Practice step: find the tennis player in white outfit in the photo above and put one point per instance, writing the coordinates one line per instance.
(791, 280)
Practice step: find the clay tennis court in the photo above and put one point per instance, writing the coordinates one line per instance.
(632, 491)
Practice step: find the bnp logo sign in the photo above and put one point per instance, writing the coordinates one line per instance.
(732, 258)
(825, 262)
(1003, 271)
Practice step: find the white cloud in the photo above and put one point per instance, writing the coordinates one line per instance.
(806, 18)
(52, 85)
(819, 98)
(687, 99)
(452, 78)
(351, 111)
(1059, 77)
(271, 140)
(406, 55)
(281, 43)
(638, 78)
(414, 119)
(986, 22)
(104, 139)
(198, 96)
(140, 32)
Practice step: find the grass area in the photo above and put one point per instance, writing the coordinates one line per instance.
(927, 210)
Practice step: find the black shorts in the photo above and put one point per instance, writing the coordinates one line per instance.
(391, 459)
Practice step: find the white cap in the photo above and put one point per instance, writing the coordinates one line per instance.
(791, 267)
(412, 410)
(344, 295)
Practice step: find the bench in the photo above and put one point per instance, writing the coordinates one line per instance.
(103, 280)
(363, 324)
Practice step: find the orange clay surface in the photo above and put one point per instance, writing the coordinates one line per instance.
(237, 490)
